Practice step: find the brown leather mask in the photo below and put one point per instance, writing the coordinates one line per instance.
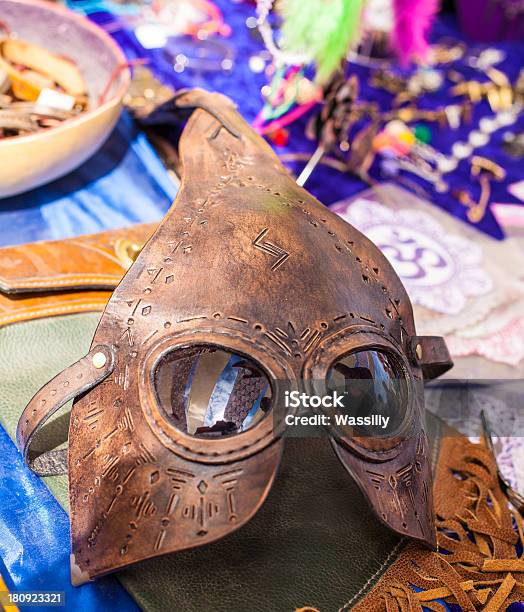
(245, 264)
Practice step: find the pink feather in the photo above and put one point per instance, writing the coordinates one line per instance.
(413, 20)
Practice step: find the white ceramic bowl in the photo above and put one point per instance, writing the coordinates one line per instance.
(29, 161)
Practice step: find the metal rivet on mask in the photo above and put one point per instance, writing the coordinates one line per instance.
(99, 360)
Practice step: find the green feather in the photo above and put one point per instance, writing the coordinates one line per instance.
(323, 29)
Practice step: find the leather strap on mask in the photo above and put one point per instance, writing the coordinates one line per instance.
(95, 367)
(431, 354)
(70, 383)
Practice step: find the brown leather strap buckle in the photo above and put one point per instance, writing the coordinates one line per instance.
(71, 382)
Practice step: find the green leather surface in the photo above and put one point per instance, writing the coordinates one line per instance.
(313, 543)
(31, 353)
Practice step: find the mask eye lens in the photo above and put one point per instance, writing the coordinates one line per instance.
(375, 394)
(209, 392)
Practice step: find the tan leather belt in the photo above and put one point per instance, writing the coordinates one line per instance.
(58, 277)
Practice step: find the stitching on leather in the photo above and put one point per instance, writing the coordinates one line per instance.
(51, 282)
(366, 586)
(435, 449)
(52, 310)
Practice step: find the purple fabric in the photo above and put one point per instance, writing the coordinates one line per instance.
(485, 20)
(328, 185)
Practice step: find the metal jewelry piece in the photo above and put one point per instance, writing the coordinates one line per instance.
(461, 150)
(485, 171)
(247, 266)
(476, 139)
(501, 95)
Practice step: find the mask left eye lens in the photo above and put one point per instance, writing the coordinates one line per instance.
(209, 392)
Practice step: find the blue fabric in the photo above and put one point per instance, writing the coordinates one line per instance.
(122, 184)
(328, 185)
(34, 541)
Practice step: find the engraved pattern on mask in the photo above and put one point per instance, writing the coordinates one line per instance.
(156, 305)
(198, 502)
(396, 488)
